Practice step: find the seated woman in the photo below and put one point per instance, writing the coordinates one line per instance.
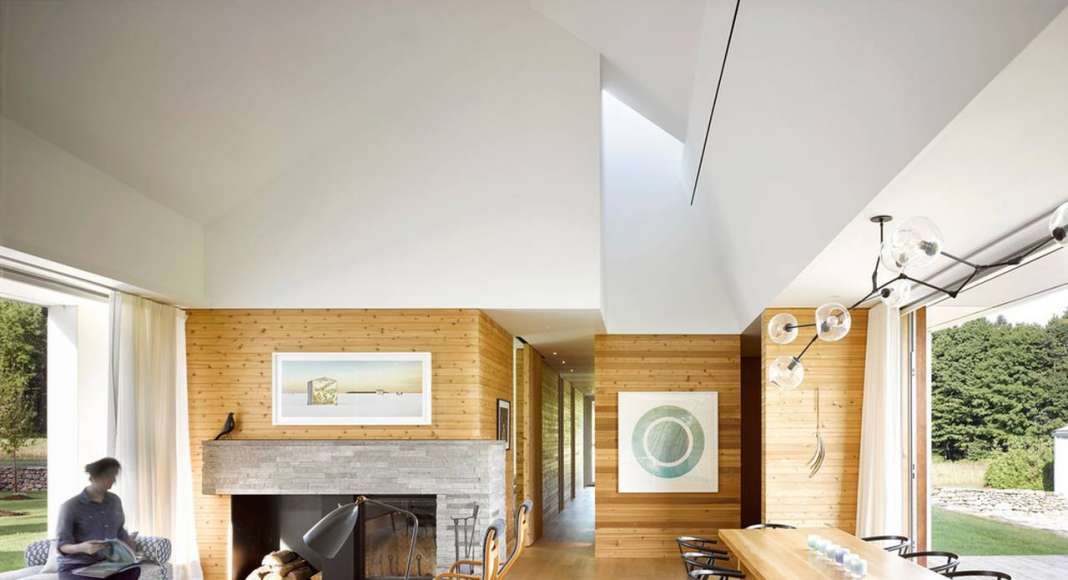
(90, 518)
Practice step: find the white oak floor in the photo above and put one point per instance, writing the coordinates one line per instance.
(565, 552)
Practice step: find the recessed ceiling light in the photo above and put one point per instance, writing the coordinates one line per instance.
(563, 362)
(554, 353)
(572, 370)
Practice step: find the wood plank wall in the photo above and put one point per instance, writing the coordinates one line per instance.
(550, 443)
(789, 436)
(646, 525)
(495, 377)
(530, 437)
(229, 362)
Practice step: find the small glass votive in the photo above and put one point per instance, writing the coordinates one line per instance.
(813, 541)
(851, 563)
(839, 555)
(862, 568)
(828, 550)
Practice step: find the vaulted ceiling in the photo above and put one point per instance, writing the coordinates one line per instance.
(405, 153)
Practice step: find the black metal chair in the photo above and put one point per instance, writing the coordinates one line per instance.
(771, 526)
(695, 560)
(950, 565)
(690, 544)
(978, 574)
(716, 573)
(901, 544)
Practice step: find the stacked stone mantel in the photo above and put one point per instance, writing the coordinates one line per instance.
(458, 473)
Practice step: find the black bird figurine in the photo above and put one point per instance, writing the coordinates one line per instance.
(228, 426)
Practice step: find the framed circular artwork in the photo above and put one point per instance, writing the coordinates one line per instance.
(668, 442)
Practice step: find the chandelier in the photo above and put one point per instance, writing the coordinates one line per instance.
(911, 245)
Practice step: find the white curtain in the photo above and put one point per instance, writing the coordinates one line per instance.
(881, 494)
(148, 425)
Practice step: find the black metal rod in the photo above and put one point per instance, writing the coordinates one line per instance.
(804, 350)
(793, 326)
(715, 99)
(415, 529)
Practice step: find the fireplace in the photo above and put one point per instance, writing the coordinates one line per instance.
(377, 550)
(279, 489)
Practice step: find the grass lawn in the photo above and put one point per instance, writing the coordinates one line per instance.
(969, 535)
(16, 532)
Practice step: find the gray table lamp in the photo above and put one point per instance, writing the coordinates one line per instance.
(328, 534)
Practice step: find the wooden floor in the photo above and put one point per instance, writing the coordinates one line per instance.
(1020, 567)
(565, 552)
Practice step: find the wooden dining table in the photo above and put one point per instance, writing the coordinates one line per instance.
(775, 554)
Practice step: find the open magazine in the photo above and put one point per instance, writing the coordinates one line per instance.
(119, 557)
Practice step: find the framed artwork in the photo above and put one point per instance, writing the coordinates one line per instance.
(351, 388)
(504, 422)
(668, 442)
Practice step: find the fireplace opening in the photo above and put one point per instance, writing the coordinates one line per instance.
(376, 550)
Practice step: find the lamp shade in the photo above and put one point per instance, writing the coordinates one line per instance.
(782, 328)
(833, 321)
(912, 244)
(328, 534)
(1058, 225)
(786, 373)
(896, 293)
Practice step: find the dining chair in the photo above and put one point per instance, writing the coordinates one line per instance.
(705, 546)
(900, 544)
(716, 573)
(951, 560)
(695, 560)
(771, 526)
(978, 574)
(489, 564)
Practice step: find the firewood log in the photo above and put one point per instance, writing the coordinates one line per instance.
(279, 558)
(289, 567)
(258, 573)
(303, 573)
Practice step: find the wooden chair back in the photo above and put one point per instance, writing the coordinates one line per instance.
(522, 535)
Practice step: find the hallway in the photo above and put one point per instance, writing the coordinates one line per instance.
(565, 552)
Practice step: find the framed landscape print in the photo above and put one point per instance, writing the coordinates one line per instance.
(668, 442)
(504, 422)
(348, 388)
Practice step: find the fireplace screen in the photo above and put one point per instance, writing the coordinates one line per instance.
(387, 536)
(377, 549)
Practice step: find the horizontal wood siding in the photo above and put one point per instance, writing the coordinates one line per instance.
(646, 525)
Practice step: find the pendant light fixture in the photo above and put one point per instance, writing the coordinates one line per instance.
(915, 243)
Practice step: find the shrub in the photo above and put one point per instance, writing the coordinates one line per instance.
(1025, 465)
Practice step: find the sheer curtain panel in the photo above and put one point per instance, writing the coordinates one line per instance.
(148, 425)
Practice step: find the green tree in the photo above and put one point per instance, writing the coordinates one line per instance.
(22, 356)
(996, 382)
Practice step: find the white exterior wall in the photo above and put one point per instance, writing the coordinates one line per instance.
(1060, 461)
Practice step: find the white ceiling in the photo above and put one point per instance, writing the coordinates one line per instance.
(563, 337)
(822, 104)
(648, 50)
(199, 105)
(225, 111)
(1000, 165)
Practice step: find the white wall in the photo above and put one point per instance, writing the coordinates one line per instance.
(78, 359)
(54, 206)
(478, 187)
(658, 275)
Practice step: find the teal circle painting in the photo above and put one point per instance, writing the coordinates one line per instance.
(667, 441)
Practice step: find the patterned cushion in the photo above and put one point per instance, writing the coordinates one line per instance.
(153, 547)
(37, 553)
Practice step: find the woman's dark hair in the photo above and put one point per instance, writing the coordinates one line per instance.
(102, 466)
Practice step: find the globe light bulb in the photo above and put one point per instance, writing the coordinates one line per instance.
(832, 322)
(912, 244)
(786, 373)
(1058, 225)
(896, 293)
(782, 328)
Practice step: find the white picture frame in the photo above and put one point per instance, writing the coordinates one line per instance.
(351, 388)
(668, 442)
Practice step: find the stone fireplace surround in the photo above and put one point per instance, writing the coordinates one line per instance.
(458, 473)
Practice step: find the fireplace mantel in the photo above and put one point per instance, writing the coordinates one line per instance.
(458, 473)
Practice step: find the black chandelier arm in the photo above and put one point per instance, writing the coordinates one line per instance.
(790, 327)
(807, 346)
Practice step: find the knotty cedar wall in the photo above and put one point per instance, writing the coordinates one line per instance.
(789, 439)
(560, 418)
(229, 359)
(646, 525)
